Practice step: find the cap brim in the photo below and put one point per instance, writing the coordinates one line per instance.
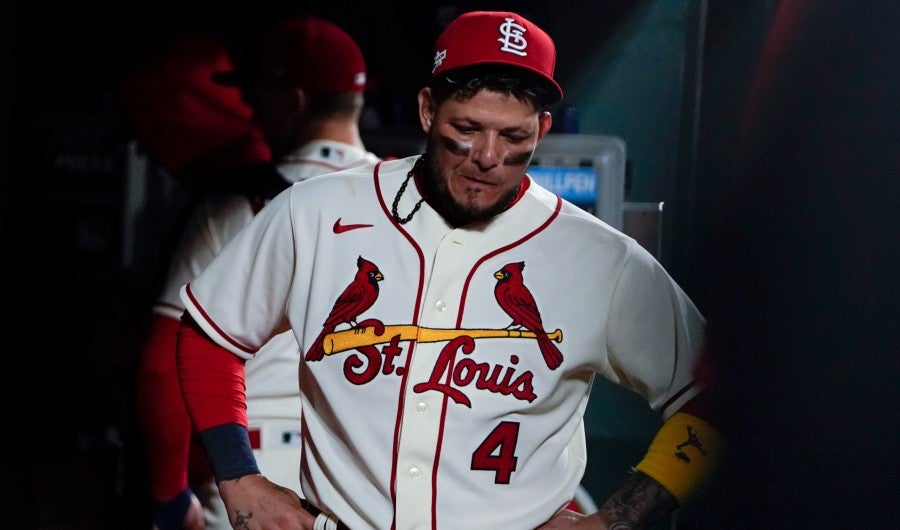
(551, 83)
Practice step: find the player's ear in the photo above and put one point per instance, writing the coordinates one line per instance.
(426, 109)
(298, 101)
(545, 121)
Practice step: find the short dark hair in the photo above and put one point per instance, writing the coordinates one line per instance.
(463, 83)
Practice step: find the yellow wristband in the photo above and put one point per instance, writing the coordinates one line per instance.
(683, 455)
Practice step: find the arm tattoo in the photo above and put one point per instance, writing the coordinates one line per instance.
(641, 502)
(241, 521)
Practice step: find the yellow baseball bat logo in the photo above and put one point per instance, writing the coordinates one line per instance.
(351, 339)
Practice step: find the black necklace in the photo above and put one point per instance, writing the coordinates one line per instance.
(415, 209)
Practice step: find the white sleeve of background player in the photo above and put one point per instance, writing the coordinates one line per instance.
(212, 223)
(655, 334)
(240, 298)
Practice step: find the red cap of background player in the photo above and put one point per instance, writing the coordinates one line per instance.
(310, 52)
(183, 117)
(480, 37)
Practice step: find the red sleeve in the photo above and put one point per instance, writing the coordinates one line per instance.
(212, 379)
(165, 425)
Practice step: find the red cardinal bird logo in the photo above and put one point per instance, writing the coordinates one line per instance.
(356, 298)
(517, 301)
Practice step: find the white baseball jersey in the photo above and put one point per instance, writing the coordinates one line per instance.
(272, 378)
(322, 156)
(273, 399)
(442, 409)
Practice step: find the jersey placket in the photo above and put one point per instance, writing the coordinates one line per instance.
(424, 411)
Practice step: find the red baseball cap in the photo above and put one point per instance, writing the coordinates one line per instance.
(313, 53)
(182, 118)
(500, 37)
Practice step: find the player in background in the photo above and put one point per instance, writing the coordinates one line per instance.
(305, 80)
(452, 315)
(201, 135)
(305, 88)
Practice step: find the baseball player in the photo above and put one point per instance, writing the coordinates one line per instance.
(321, 67)
(452, 316)
(200, 133)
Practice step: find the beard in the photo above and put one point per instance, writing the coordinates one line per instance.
(437, 193)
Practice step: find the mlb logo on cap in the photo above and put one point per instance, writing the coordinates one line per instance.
(499, 37)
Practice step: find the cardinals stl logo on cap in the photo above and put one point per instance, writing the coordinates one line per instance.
(513, 37)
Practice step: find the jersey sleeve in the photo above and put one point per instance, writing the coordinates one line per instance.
(239, 299)
(655, 334)
(161, 408)
(164, 421)
(212, 223)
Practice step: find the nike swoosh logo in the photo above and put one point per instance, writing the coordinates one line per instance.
(340, 229)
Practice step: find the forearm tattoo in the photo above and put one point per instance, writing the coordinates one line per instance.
(641, 502)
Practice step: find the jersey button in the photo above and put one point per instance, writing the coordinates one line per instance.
(440, 305)
(421, 407)
(414, 472)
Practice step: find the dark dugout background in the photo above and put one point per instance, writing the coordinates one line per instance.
(789, 241)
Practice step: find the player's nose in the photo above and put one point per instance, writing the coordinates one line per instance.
(486, 151)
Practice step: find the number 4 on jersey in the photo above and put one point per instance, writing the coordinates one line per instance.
(497, 452)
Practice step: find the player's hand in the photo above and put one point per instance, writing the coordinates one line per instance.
(255, 503)
(184, 512)
(194, 519)
(569, 520)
